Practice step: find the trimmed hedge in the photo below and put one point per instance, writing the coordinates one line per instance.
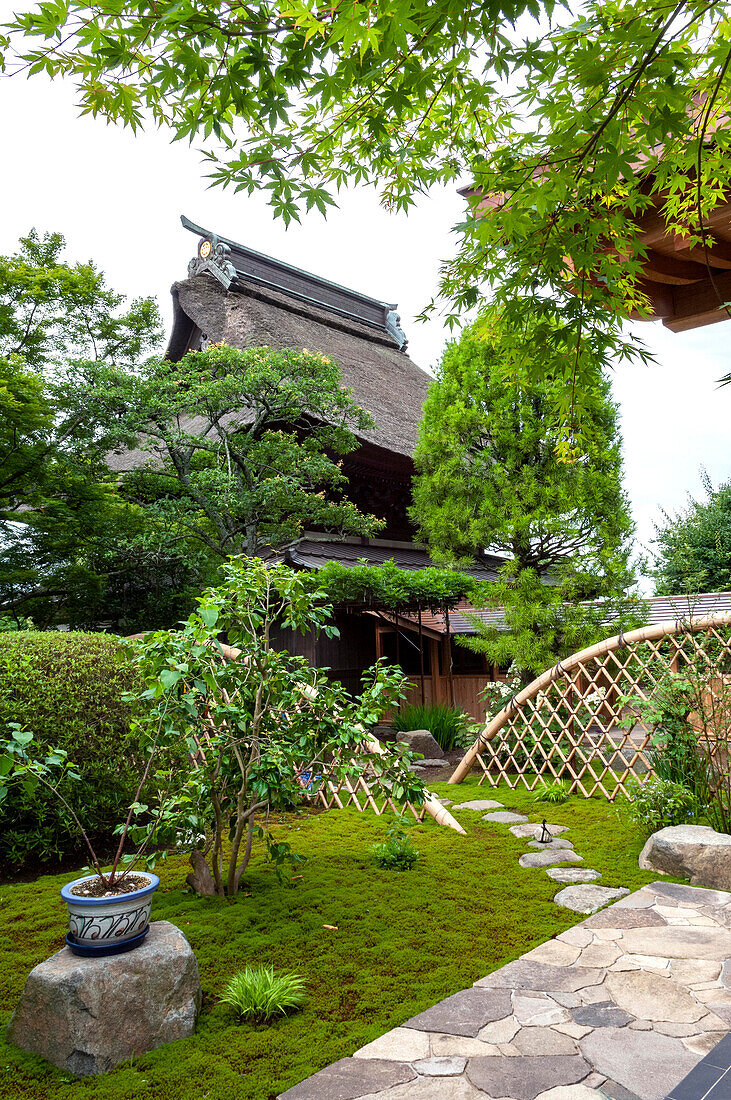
(66, 688)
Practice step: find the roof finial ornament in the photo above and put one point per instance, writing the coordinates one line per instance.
(212, 259)
(393, 326)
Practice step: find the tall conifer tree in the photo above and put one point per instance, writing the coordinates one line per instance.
(489, 478)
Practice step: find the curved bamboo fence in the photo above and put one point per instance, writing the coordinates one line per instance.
(566, 723)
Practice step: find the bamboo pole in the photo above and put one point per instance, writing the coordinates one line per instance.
(668, 628)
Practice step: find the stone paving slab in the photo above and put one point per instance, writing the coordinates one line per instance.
(629, 1004)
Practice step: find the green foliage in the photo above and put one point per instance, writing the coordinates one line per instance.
(694, 546)
(580, 124)
(449, 726)
(489, 476)
(72, 550)
(377, 970)
(657, 803)
(259, 994)
(689, 718)
(243, 445)
(556, 792)
(397, 852)
(66, 689)
(255, 722)
(386, 586)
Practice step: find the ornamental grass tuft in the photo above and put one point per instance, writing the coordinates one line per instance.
(257, 994)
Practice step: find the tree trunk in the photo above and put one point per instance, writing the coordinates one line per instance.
(200, 878)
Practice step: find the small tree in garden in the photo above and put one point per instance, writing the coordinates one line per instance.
(489, 478)
(261, 725)
(694, 546)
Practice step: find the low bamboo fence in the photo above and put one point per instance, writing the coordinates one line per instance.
(573, 722)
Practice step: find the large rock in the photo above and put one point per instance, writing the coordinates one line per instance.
(421, 741)
(86, 1015)
(690, 851)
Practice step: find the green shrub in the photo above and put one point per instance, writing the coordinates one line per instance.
(555, 792)
(657, 803)
(397, 853)
(258, 994)
(66, 688)
(449, 726)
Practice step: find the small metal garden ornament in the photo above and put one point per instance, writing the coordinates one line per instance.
(545, 837)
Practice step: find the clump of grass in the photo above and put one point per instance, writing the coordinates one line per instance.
(397, 853)
(257, 994)
(446, 724)
(555, 792)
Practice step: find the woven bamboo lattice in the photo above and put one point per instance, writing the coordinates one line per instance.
(364, 791)
(566, 723)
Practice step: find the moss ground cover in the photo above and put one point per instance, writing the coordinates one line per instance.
(403, 941)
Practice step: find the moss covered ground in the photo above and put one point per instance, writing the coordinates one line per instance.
(403, 941)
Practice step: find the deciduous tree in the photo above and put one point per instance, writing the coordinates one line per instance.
(694, 545)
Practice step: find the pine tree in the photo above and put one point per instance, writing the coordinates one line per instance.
(489, 478)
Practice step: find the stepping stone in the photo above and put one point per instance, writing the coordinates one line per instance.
(534, 831)
(350, 1077)
(504, 817)
(522, 974)
(572, 874)
(525, 1078)
(587, 899)
(479, 804)
(633, 1058)
(429, 764)
(550, 859)
(550, 845)
(464, 1013)
(401, 1044)
(603, 1014)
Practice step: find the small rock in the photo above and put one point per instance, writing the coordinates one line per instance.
(421, 741)
(690, 851)
(571, 874)
(67, 1015)
(479, 804)
(587, 899)
(549, 859)
(504, 817)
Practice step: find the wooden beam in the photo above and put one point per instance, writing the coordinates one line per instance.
(700, 304)
(672, 270)
(718, 255)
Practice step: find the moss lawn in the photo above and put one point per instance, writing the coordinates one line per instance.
(404, 941)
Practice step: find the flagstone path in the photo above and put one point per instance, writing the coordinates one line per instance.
(623, 1006)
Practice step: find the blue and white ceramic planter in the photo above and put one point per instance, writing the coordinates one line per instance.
(108, 926)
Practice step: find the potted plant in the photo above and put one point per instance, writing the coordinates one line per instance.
(109, 911)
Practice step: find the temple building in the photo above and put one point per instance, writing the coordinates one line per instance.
(246, 299)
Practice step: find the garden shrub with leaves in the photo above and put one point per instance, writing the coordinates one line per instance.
(449, 726)
(67, 688)
(261, 726)
(555, 792)
(259, 994)
(397, 852)
(657, 803)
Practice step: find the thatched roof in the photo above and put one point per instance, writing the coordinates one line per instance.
(270, 304)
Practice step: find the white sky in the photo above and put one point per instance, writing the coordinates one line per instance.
(117, 199)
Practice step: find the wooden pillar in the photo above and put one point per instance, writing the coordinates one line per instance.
(421, 659)
(436, 679)
(450, 678)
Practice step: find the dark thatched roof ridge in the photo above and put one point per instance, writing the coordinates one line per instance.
(383, 380)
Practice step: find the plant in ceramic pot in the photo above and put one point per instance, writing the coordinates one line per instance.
(109, 911)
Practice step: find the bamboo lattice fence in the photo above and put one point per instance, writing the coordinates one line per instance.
(566, 723)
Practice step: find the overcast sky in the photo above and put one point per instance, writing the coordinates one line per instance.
(117, 199)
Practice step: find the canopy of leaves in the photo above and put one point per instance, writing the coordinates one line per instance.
(242, 446)
(574, 123)
(694, 546)
(391, 588)
(65, 529)
(488, 477)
